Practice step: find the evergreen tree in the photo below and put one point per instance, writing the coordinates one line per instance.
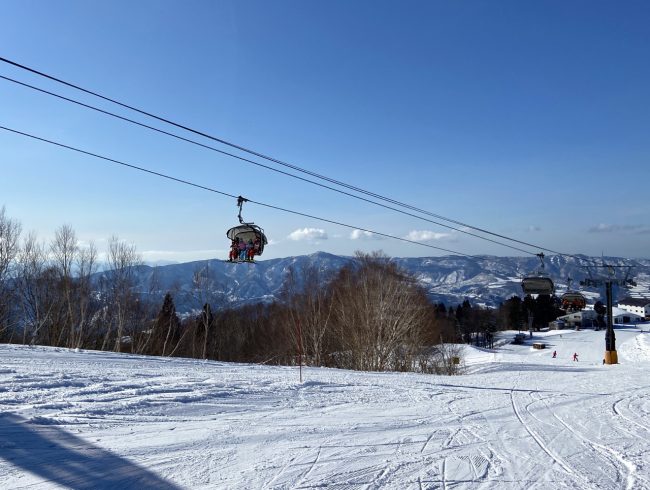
(514, 313)
(545, 310)
(166, 330)
(464, 319)
(527, 309)
(441, 310)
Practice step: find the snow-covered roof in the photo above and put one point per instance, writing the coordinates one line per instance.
(620, 312)
(589, 313)
(635, 302)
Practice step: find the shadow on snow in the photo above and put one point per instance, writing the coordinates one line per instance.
(62, 458)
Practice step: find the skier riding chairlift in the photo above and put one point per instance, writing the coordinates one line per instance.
(243, 234)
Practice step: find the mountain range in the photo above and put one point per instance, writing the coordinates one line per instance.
(483, 280)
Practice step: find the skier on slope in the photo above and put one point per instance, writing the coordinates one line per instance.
(554, 354)
(575, 356)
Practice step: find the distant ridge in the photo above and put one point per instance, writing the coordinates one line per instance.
(485, 280)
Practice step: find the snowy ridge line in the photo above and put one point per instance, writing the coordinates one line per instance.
(446, 279)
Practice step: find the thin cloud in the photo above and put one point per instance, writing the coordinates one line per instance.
(86, 244)
(426, 236)
(308, 234)
(610, 228)
(364, 235)
(533, 228)
(172, 253)
(181, 255)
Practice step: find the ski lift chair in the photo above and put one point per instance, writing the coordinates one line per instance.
(247, 231)
(573, 300)
(538, 283)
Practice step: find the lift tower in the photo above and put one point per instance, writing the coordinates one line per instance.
(608, 275)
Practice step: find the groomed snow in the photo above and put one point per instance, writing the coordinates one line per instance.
(518, 420)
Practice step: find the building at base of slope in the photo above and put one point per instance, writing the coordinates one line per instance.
(588, 319)
(639, 306)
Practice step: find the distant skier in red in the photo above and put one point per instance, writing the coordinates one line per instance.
(575, 356)
(554, 354)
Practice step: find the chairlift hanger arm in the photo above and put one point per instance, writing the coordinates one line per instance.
(240, 202)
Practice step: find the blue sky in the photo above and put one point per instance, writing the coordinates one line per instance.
(528, 119)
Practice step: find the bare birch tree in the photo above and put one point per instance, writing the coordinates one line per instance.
(122, 261)
(380, 313)
(86, 267)
(64, 253)
(35, 289)
(9, 247)
(204, 295)
(309, 306)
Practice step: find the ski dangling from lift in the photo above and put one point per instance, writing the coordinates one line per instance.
(239, 261)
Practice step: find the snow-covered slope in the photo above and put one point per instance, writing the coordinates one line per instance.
(520, 420)
(485, 280)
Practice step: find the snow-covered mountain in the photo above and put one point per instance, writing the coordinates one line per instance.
(486, 280)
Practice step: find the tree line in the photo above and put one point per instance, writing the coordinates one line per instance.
(369, 315)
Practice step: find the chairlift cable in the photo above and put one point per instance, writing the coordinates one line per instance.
(210, 189)
(194, 142)
(280, 162)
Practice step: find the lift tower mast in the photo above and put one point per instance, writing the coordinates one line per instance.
(608, 276)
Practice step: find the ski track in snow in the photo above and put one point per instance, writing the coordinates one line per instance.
(521, 420)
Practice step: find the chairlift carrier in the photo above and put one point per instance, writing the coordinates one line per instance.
(538, 283)
(573, 300)
(247, 230)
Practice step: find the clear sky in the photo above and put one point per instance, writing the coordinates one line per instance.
(528, 119)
